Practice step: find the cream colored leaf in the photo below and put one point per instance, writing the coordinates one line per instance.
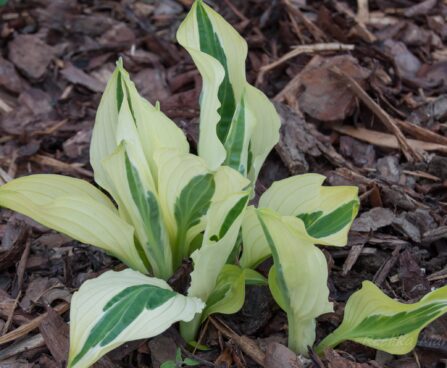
(266, 133)
(134, 202)
(75, 208)
(326, 212)
(299, 280)
(119, 307)
(374, 319)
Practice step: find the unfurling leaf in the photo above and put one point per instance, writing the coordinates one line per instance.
(325, 214)
(374, 319)
(298, 278)
(229, 293)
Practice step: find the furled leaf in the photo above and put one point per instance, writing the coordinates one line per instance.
(140, 207)
(157, 237)
(124, 115)
(298, 279)
(213, 74)
(104, 131)
(155, 130)
(238, 138)
(191, 205)
(127, 132)
(228, 295)
(325, 213)
(75, 208)
(238, 125)
(374, 319)
(215, 250)
(266, 133)
(186, 188)
(119, 307)
(222, 229)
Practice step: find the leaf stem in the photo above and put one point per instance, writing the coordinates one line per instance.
(189, 330)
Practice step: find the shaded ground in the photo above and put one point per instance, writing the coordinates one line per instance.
(363, 98)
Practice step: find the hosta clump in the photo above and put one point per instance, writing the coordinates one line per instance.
(163, 204)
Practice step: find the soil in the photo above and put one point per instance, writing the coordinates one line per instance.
(361, 87)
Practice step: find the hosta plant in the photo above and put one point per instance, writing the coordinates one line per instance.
(162, 204)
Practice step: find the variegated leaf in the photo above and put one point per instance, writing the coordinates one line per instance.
(139, 205)
(255, 246)
(325, 213)
(222, 229)
(124, 115)
(298, 279)
(266, 132)
(228, 295)
(118, 307)
(186, 188)
(374, 319)
(239, 125)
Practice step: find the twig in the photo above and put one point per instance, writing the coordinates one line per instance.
(296, 29)
(201, 335)
(362, 11)
(30, 326)
(241, 16)
(11, 315)
(51, 129)
(190, 355)
(388, 140)
(247, 345)
(421, 133)
(62, 166)
(302, 49)
(21, 269)
(28, 344)
(359, 28)
(288, 91)
(383, 271)
(316, 32)
(5, 107)
(421, 174)
(4, 176)
(410, 154)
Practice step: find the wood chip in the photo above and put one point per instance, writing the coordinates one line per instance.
(56, 335)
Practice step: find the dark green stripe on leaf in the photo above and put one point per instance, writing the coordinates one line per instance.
(231, 216)
(386, 327)
(278, 272)
(149, 210)
(320, 226)
(310, 218)
(191, 205)
(234, 143)
(119, 91)
(123, 309)
(210, 44)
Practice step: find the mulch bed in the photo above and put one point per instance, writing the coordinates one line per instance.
(361, 87)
